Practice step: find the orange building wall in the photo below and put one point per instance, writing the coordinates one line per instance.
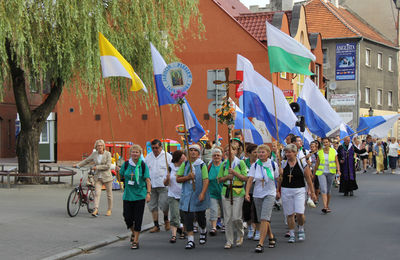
(223, 39)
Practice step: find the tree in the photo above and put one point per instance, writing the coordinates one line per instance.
(53, 44)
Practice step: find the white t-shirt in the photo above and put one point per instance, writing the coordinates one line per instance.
(393, 149)
(174, 188)
(157, 168)
(269, 185)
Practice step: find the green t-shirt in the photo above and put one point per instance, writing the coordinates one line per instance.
(242, 169)
(214, 188)
(204, 172)
(138, 190)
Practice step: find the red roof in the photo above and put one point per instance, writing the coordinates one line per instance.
(333, 22)
(255, 23)
(233, 7)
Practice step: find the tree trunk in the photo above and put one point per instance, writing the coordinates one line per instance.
(28, 151)
(32, 121)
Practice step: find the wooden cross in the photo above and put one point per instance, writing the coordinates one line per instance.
(290, 174)
(228, 82)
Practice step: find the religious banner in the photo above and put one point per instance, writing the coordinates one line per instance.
(346, 61)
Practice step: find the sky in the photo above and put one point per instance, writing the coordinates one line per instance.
(258, 2)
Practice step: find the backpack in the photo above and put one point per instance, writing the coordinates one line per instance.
(126, 163)
(272, 163)
(284, 164)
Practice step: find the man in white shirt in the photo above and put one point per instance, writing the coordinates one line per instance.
(158, 168)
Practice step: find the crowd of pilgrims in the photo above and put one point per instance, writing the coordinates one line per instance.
(239, 188)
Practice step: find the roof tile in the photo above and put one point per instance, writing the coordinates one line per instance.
(333, 22)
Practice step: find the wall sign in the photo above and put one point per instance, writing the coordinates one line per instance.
(346, 61)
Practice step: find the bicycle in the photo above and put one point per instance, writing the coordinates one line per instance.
(82, 195)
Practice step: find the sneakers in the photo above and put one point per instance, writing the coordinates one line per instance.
(250, 233)
(227, 246)
(155, 229)
(256, 236)
(301, 235)
(292, 239)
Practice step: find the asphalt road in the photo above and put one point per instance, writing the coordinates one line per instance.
(365, 226)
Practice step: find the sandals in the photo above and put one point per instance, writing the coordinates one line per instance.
(182, 235)
(228, 246)
(328, 210)
(173, 240)
(135, 245)
(324, 211)
(213, 232)
(259, 249)
(272, 242)
(190, 245)
(203, 238)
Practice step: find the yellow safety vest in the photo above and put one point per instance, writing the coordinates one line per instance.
(332, 161)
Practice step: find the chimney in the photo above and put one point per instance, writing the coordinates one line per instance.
(287, 5)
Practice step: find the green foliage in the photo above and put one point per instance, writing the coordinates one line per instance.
(59, 39)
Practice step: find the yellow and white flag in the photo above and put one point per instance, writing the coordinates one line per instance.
(114, 65)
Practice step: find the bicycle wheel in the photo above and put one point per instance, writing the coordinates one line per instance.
(73, 203)
(90, 200)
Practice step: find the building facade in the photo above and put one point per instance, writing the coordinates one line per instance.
(360, 63)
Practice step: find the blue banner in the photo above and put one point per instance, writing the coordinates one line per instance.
(346, 61)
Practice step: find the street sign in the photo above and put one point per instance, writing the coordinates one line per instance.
(212, 107)
(215, 91)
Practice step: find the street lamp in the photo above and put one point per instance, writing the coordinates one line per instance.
(370, 111)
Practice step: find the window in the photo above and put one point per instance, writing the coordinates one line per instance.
(325, 58)
(390, 100)
(283, 75)
(380, 61)
(367, 95)
(317, 72)
(390, 59)
(300, 83)
(379, 97)
(44, 135)
(368, 57)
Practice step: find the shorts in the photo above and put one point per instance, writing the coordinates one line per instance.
(364, 157)
(215, 207)
(293, 200)
(158, 199)
(174, 212)
(264, 207)
(326, 181)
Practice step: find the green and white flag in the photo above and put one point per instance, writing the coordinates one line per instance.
(286, 54)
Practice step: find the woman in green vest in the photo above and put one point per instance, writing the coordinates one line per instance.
(325, 169)
(137, 191)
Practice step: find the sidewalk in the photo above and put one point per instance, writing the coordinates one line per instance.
(34, 223)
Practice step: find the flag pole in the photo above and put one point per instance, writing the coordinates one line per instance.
(187, 146)
(244, 127)
(276, 118)
(163, 137)
(112, 138)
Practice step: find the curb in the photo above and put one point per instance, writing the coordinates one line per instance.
(91, 246)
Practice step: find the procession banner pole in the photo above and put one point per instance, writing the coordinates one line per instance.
(229, 123)
(353, 134)
(163, 137)
(244, 126)
(112, 138)
(187, 146)
(276, 119)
